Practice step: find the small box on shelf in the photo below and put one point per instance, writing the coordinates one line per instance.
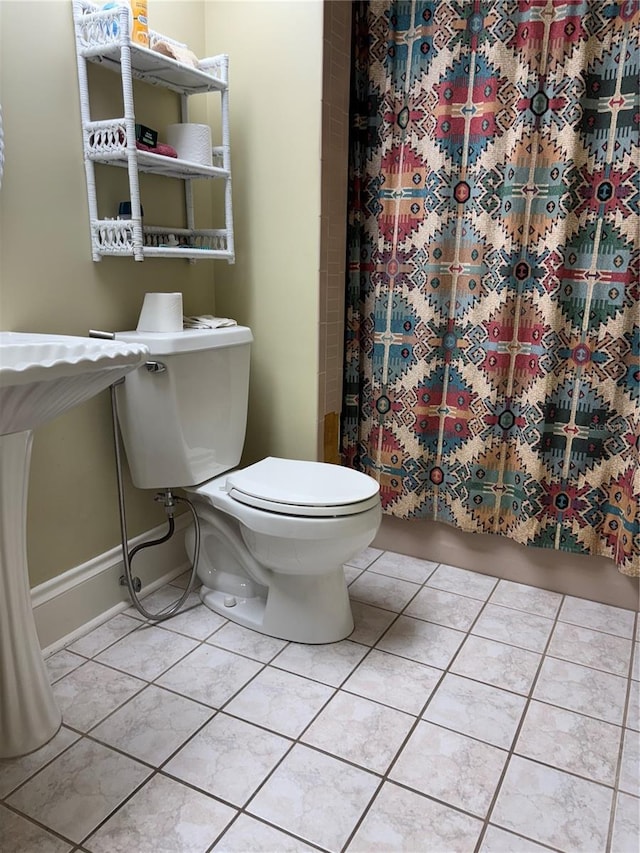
(146, 135)
(124, 210)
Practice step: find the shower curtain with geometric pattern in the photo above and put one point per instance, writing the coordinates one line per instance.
(493, 321)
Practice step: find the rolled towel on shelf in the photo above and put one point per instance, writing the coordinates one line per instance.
(161, 148)
(179, 52)
(207, 321)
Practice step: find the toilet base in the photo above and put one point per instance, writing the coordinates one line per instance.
(303, 609)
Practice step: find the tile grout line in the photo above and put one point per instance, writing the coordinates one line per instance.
(420, 717)
(297, 740)
(243, 809)
(385, 776)
(242, 813)
(321, 709)
(40, 825)
(412, 729)
(87, 735)
(511, 751)
(158, 770)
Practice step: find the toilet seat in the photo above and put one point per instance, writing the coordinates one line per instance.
(288, 487)
(306, 489)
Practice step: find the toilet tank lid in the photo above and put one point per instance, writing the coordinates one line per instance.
(188, 340)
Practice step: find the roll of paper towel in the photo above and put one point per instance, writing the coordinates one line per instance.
(192, 142)
(161, 312)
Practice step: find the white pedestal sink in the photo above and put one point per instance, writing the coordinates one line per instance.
(41, 376)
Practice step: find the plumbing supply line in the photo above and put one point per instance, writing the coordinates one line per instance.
(165, 538)
(169, 500)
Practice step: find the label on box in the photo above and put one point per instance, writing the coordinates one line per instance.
(146, 135)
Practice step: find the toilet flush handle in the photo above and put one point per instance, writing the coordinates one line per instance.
(152, 366)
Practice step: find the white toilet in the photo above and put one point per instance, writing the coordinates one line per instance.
(275, 535)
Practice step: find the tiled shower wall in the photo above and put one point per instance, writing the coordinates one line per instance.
(333, 220)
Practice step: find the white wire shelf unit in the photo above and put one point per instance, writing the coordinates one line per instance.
(102, 36)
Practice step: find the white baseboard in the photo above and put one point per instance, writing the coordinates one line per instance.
(69, 605)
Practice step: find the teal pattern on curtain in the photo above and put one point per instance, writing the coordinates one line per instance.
(493, 324)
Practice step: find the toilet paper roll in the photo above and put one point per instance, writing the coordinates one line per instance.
(192, 142)
(161, 312)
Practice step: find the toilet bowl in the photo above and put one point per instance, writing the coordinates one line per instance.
(275, 535)
(274, 538)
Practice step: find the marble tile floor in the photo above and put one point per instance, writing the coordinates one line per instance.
(464, 713)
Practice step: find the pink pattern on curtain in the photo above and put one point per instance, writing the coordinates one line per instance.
(493, 326)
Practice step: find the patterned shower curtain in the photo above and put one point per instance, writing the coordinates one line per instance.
(493, 315)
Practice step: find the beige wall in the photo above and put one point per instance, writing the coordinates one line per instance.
(275, 69)
(48, 282)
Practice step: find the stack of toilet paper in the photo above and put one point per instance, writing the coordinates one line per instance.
(161, 312)
(192, 142)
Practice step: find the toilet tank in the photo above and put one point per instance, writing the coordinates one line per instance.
(184, 421)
